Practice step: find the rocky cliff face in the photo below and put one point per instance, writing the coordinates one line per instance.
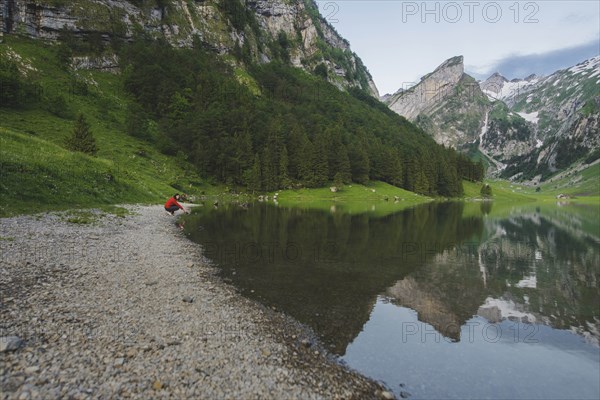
(564, 110)
(261, 28)
(504, 135)
(526, 128)
(433, 89)
(447, 103)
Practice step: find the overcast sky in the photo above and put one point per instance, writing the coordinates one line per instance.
(400, 41)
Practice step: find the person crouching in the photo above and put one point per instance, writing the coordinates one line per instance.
(172, 205)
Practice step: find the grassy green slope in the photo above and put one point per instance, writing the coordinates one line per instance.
(584, 183)
(581, 184)
(38, 173)
(375, 198)
(501, 191)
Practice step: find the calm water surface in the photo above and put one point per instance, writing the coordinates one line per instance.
(446, 300)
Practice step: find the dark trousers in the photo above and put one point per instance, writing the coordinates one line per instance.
(172, 209)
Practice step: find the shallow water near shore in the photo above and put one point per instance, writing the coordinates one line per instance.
(444, 300)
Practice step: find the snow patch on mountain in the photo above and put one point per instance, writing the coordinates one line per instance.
(531, 117)
(586, 66)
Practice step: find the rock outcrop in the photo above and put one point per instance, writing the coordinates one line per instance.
(564, 110)
(226, 26)
(447, 103)
(433, 89)
(526, 128)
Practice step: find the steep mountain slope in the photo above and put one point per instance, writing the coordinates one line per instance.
(250, 31)
(231, 118)
(430, 92)
(564, 108)
(526, 128)
(447, 104)
(450, 106)
(498, 87)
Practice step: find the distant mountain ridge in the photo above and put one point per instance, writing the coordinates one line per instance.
(564, 109)
(527, 129)
(497, 87)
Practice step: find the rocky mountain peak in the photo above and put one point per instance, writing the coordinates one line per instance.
(494, 83)
(433, 89)
(451, 62)
(497, 76)
(527, 128)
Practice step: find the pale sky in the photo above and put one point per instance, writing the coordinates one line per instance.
(400, 41)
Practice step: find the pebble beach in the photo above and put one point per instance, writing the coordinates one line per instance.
(127, 307)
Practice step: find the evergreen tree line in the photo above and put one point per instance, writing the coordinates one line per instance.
(298, 131)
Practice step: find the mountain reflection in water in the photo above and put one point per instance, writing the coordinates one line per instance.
(450, 263)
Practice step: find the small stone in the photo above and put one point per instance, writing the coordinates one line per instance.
(119, 361)
(404, 395)
(387, 395)
(305, 343)
(157, 385)
(188, 299)
(10, 343)
(131, 353)
(32, 370)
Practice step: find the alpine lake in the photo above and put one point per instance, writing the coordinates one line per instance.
(446, 300)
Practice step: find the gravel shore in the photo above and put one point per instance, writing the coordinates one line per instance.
(126, 308)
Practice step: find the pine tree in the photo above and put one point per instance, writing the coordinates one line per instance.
(284, 179)
(342, 164)
(271, 156)
(253, 176)
(305, 170)
(242, 156)
(319, 162)
(295, 142)
(486, 191)
(338, 181)
(391, 167)
(421, 182)
(359, 162)
(82, 139)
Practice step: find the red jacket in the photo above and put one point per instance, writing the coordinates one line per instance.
(172, 202)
